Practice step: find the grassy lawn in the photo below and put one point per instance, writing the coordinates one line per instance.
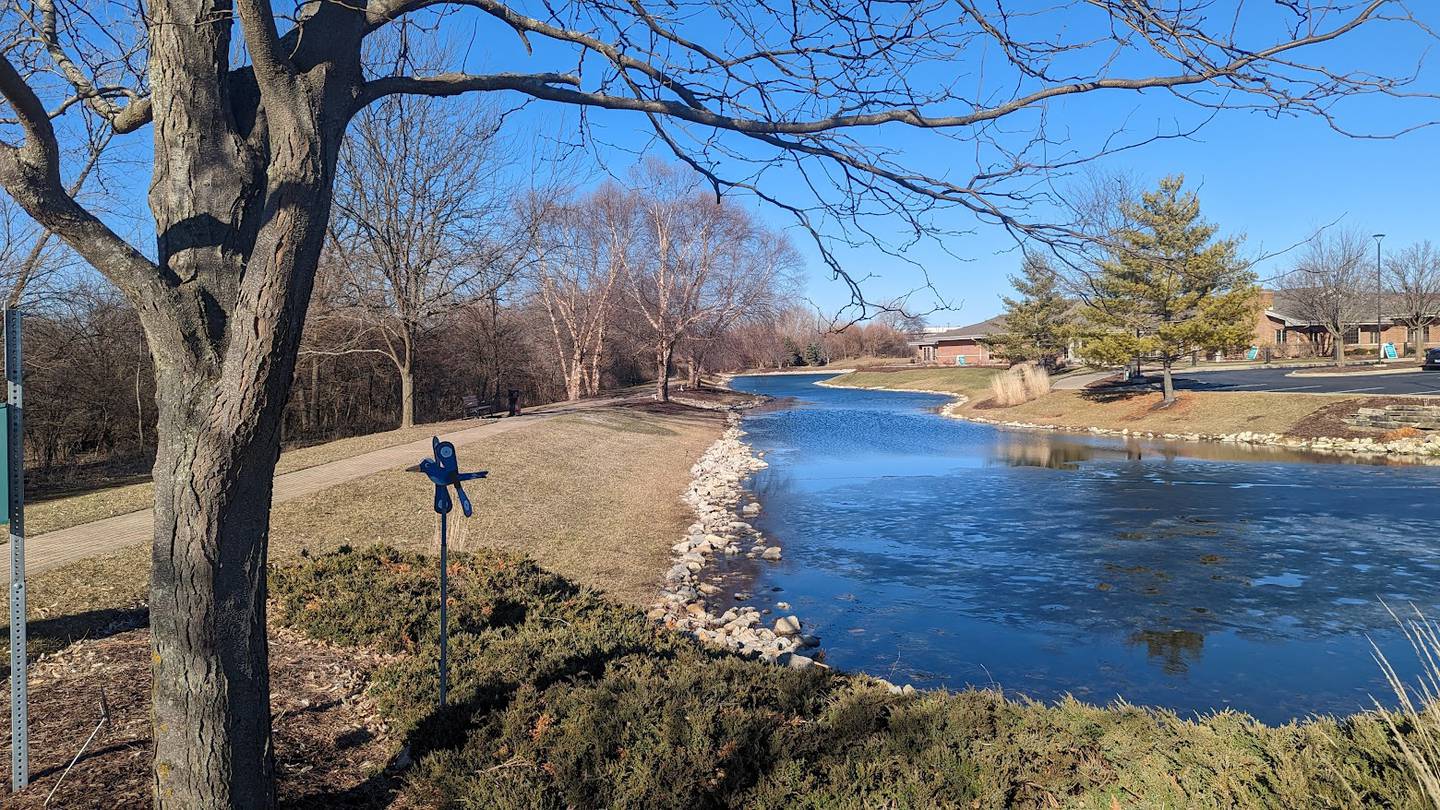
(52, 514)
(594, 495)
(1194, 412)
(969, 382)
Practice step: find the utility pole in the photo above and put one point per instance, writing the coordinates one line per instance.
(1379, 294)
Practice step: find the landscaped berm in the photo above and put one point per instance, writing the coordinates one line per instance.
(563, 696)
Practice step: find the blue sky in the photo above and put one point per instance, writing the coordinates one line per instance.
(1274, 180)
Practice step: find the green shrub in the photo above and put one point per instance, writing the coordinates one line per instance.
(561, 699)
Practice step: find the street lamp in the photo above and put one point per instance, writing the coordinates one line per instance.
(1379, 291)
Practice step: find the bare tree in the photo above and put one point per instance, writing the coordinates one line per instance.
(1413, 274)
(423, 223)
(702, 264)
(247, 136)
(580, 256)
(1327, 285)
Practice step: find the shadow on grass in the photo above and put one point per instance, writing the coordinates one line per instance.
(46, 636)
(1117, 393)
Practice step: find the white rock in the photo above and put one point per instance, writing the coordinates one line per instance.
(787, 626)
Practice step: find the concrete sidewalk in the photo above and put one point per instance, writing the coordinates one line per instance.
(46, 551)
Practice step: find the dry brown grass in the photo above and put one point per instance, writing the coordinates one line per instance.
(968, 382)
(53, 514)
(594, 495)
(1401, 433)
(1019, 385)
(1419, 703)
(1194, 412)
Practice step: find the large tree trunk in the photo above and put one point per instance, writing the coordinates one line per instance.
(1167, 382)
(693, 367)
(407, 396)
(207, 602)
(1337, 348)
(663, 351)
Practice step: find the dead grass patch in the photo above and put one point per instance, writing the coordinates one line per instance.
(53, 514)
(1194, 412)
(594, 495)
(968, 382)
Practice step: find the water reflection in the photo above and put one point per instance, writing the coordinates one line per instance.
(1190, 575)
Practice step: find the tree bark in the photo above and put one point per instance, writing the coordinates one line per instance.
(407, 396)
(1167, 382)
(207, 604)
(663, 352)
(1338, 348)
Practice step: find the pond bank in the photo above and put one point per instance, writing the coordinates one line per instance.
(1256, 419)
(722, 504)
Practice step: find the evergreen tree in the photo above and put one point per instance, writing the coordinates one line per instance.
(813, 355)
(1039, 324)
(1168, 286)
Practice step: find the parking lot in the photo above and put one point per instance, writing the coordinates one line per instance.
(1279, 380)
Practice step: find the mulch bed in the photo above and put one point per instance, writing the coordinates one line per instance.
(331, 748)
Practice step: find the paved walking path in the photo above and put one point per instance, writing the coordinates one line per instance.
(52, 549)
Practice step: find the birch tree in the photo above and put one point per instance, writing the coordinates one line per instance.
(578, 266)
(248, 104)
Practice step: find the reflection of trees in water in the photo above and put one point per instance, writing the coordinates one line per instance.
(1176, 649)
(1054, 452)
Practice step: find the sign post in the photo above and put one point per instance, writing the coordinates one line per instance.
(444, 472)
(14, 490)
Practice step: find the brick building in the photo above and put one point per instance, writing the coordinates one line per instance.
(1282, 329)
(960, 346)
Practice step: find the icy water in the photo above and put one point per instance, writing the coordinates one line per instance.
(943, 553)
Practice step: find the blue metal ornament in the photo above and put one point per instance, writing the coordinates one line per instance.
(444, 472)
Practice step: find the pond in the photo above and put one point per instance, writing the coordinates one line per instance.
(1193, 576)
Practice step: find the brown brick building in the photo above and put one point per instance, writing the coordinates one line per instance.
(960, 346)
(1282, 330)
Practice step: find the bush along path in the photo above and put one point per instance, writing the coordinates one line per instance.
(563, 699)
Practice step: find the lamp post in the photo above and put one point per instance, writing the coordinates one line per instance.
(1379, 292)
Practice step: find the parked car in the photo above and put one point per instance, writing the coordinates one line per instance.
(1432, 360)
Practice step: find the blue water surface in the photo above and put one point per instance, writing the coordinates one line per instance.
(1193, 576)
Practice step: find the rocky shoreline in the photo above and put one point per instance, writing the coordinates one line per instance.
(1419, 450)
(721, 531)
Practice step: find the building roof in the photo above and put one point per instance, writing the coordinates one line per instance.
(974, 331)
(1287, 306)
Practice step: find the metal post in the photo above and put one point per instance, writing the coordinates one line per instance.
(444, 620)
(15, 462)
(1379, 292)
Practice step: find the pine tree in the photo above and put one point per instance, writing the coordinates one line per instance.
(1168, 286)
(1039, 324)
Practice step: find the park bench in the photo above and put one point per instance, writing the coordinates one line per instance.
(476, 408)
